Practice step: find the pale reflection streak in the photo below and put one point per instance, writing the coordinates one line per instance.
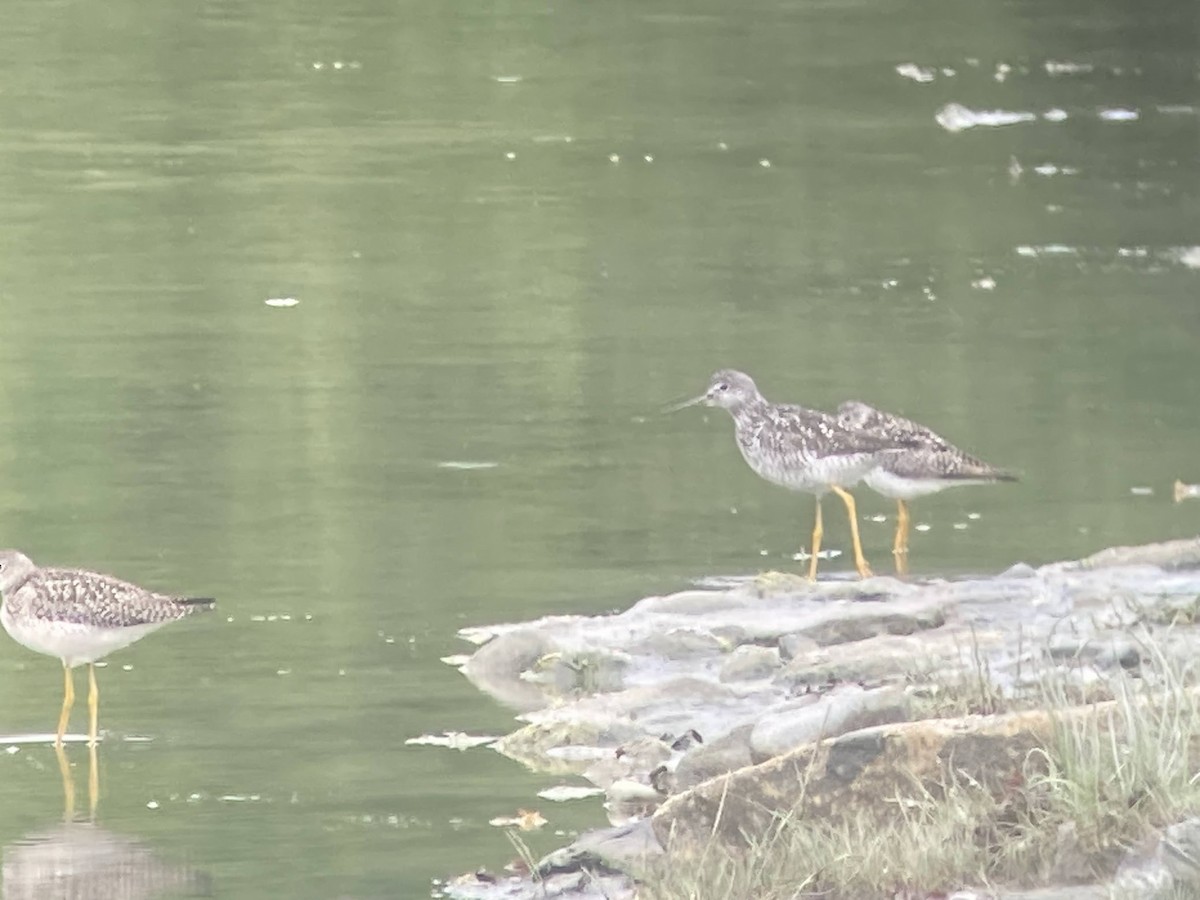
(68, 783)
(78, 859)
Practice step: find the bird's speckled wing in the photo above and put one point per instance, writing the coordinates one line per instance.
(795, 430)
(932, 456)
(902, 430)
(75, 595)
(948, 463)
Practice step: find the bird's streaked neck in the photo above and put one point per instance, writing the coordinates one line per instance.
(749, 408)
(17, 579)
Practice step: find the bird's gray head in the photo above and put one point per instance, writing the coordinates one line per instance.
(15, 567)
(728, 389)
(855, 414)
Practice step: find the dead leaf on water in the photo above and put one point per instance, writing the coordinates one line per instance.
(525, 819)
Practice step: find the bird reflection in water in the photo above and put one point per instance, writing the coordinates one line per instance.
(78, 859)
(68, 783)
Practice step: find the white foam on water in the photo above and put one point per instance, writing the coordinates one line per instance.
(453, 740)
(919, 74)
(562, 792)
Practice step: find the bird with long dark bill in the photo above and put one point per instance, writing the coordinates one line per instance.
(800, 449)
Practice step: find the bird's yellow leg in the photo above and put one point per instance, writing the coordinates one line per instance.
(68, 702)
(860, 561)
(93, 704)
(818, 533)
(68, 783)
(900, 545)
(93, 782)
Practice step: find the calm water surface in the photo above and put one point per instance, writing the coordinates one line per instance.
(515, 232)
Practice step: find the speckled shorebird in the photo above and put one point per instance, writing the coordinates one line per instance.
(800, 449)
(929, 465)
(80, 617)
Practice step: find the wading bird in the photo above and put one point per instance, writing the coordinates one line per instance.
(930, 464)
(800, 449)
(80, 617)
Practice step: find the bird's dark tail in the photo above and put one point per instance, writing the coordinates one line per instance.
(982, 473)
(196, 604)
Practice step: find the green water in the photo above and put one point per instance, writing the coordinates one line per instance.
(515, 232)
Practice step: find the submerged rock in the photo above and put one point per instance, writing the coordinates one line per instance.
(496, 667)
(1181, 554)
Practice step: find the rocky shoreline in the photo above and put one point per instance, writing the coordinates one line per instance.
(708, 714)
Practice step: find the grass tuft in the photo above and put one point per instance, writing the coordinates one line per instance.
(1110, 775)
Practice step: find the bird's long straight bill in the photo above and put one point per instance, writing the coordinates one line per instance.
(676, 407)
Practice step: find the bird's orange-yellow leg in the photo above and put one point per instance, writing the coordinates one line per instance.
(860, 561)
(68, 783)
(93, 704)
(818, 533)
(93, 782)
(68, 702)
(900, 545)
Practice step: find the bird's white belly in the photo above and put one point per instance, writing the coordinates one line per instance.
(899, 488)
(72, 642)
(815, 476)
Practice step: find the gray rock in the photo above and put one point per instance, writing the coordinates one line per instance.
(1171, 609)
(1181, 853)
(1105, 650)
(1170, 868)
(509, 654)
(694, 603)
(680, 643)
(632, 759)
(849, 775)
(626, 790)
(792, 585)
(855, 622)
(793, 645)
(578, 672)
(576, 884)
(1072, 863)
(1005, 631)
(496, 667)
(731, 635)
(626, 848)
(887, 657)
(726, 754)
(1179, 554)
(671, 706)
(534, 744)
(1065, 892)
(1019, 570)
(814, 718)
(750, 662)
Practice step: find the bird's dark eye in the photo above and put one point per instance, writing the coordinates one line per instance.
(722, 386)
